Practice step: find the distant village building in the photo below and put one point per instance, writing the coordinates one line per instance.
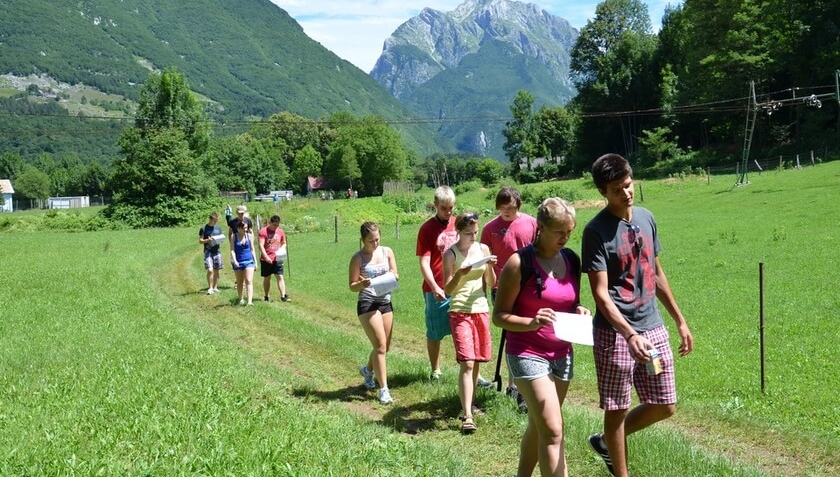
(8, 193)
(314, 184)
(69, 202)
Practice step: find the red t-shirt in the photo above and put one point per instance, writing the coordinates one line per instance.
(434, 238)
(505, 238)
(273, 240)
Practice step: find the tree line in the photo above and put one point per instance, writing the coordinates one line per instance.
(678, 99)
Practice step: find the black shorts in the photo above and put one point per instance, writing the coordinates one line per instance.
(268, 269)
(366, 305)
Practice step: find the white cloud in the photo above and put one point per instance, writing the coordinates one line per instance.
(357, 30)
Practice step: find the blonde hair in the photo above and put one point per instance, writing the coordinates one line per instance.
(555, 209)
(444, 195)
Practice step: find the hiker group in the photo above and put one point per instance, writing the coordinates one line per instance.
(534, 280)
(270, 247)
(533, 276)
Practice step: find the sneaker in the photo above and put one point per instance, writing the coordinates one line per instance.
(265, 298)
(596, 441)
(216, 290)
(250, 304)
(286, 298)
(385, 396)
(436, 375)
(209, 291)
(513, 393)
(242, 302)
(483, 383)
(368, 375)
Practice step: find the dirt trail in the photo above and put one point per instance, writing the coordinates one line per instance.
(776, 455)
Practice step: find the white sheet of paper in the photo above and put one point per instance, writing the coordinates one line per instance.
(384, 284)
(217, 239)
(281, 255)
(477, 263)
(573, 328)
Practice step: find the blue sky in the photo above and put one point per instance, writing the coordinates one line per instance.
(356, 29)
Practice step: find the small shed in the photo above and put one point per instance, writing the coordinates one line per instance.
(315, 184)
(8, 193)
(69, 202)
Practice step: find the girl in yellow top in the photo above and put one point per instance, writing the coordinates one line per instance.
(469, 310)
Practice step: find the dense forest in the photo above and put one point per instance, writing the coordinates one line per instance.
(684, 94)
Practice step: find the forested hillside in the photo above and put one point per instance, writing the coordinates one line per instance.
(247, 59)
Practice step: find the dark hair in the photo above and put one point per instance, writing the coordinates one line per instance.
(275, 219)
(367, 228)
(465, 219)
(506, 195)
(608, 168)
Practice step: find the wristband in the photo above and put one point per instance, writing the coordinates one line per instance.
(632, 335)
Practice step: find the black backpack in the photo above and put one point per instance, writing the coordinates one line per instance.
(526, 258)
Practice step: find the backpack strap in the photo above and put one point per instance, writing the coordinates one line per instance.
(527, 269)
(573, 260)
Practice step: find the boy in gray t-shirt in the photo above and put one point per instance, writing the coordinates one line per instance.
(621, 257)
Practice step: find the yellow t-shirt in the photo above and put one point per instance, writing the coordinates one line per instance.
(470, 298)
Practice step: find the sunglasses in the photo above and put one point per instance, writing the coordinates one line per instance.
(467, 219)
(635, 236)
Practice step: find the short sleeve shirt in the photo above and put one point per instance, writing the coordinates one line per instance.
(505, 238)
(433, 238)
(206, 232)
(608, 246)
(273, 240)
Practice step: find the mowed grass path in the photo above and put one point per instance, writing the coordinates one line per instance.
(113, 361)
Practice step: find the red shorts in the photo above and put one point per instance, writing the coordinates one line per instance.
(471, 335)
(618, 372)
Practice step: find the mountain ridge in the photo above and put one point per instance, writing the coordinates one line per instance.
(509, 44)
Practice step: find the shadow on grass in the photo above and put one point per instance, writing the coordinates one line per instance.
(437, 413)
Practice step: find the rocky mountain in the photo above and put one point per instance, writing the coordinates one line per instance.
(467, 65)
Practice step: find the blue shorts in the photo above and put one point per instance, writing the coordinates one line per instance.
(437, 317)
(245, 265)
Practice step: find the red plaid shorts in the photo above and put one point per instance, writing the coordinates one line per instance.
(618, 373)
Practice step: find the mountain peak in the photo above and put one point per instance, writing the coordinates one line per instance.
(434, 41)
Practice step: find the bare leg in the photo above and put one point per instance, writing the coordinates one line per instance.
(466, 385)
(378, 330)
(266, 285)
(433, 348)
(545, 397)
(620, 424)
(281, 285)
(249, 284)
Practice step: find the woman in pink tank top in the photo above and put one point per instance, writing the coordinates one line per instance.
(541, 363)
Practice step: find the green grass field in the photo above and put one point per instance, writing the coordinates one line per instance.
(114, 362)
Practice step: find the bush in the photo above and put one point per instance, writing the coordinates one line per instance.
(534, 195)
(468, 186)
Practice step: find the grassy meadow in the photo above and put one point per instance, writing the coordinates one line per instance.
(113, 361)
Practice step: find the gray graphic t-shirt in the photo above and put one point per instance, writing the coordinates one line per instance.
(627, 252)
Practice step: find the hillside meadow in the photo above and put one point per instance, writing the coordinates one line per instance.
(113, 361)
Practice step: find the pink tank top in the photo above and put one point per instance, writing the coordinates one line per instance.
(559, 294)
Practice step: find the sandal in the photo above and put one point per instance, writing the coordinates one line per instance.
(467, 425)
